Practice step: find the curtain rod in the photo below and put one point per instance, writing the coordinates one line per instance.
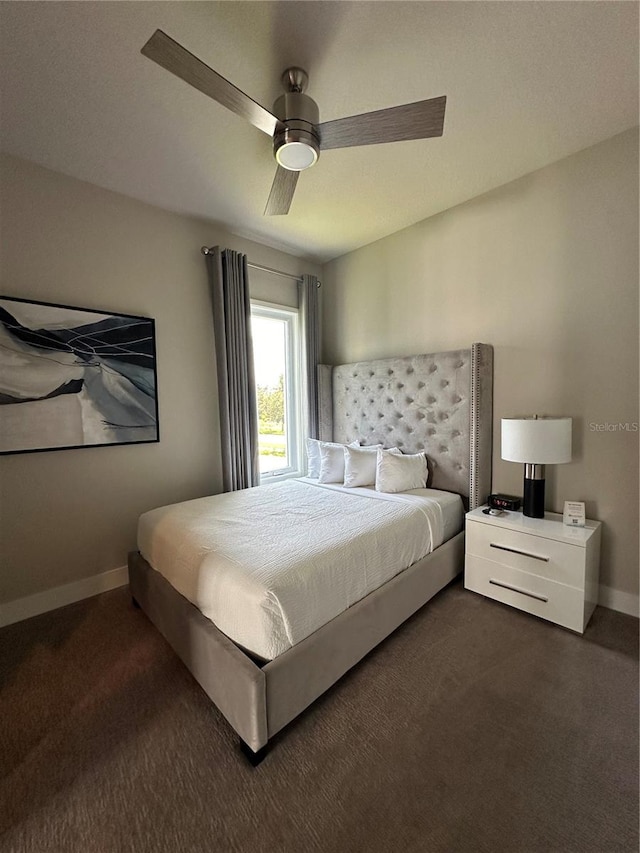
(207, 251)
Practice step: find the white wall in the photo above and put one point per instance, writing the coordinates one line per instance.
(545, 269)
(71, 514)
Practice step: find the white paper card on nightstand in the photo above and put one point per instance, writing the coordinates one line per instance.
(574, 515)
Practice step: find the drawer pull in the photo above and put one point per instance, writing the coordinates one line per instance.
(516, 551)
(518, 589)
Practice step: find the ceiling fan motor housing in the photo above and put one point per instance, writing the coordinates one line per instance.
(297, 147)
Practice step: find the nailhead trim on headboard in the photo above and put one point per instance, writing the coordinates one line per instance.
(481, 424)
(473, 466)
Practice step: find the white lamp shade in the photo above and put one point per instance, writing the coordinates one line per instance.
(537, 441)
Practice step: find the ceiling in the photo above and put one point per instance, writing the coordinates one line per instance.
(527, 83)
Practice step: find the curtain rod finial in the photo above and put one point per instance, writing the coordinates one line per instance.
(205, 250)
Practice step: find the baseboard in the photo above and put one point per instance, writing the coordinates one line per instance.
(615, 599)
(51, 599)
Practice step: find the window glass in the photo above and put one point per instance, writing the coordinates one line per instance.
(275, 352)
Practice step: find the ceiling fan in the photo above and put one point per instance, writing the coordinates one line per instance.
(298, 135)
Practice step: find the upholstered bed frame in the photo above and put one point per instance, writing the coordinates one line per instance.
(439, 403)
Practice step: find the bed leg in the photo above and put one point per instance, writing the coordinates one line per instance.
(135, 603)
(254, 758)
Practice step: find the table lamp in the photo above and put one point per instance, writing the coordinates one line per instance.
(536, 442)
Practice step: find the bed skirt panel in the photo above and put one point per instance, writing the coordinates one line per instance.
(259, 702)
(304, 672)
(229, 677)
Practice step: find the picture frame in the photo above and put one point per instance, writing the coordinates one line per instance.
(75, 377)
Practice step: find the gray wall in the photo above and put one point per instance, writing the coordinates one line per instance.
(545, 269)
(70, 514)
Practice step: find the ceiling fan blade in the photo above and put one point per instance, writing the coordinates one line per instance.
(395, 124)
(162, 49)
(282, 190)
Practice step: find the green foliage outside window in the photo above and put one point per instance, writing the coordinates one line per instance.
(271, 412)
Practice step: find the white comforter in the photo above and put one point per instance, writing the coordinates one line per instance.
(271, 565)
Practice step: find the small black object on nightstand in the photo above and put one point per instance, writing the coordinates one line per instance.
(499, 501)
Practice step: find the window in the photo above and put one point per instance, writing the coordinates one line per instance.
(276, 348)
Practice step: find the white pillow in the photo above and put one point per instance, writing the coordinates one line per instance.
(399, 473)
(313, 458)
(313, 455)
(360, 465)
(332, 461)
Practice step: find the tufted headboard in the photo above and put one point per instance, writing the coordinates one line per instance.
(440, 403)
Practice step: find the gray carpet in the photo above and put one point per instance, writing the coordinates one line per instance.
(473, 728)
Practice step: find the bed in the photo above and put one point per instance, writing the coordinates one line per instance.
(440, 404)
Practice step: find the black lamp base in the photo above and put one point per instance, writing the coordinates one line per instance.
(533, 502)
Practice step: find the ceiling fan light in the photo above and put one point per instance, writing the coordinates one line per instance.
(296, 156)
(296, 148)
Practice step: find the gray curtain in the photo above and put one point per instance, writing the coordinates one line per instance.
(234, 356)
(310, 315)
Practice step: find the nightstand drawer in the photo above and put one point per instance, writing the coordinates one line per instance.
(548, 558)
(556, 602)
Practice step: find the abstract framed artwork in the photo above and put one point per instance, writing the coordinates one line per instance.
(74, 377)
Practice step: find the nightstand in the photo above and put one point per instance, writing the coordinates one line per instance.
(535, 564)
